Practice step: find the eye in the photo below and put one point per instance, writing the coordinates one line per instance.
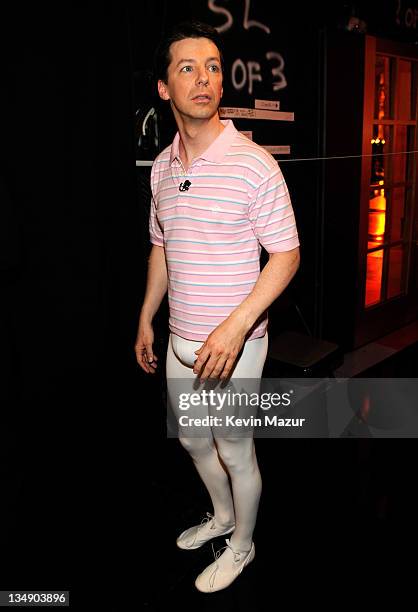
(214, 68)
(186, 69)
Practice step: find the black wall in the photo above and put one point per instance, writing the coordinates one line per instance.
(343, 95)
(72, 278)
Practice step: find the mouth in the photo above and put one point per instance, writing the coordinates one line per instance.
(202, 98)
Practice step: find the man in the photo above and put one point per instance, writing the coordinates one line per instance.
(217, 198)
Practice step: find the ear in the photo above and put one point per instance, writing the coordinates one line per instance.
(162, 90)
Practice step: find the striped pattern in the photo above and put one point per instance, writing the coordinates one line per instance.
(212, 234)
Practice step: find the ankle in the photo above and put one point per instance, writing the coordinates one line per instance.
(224, 521)
(240, 545)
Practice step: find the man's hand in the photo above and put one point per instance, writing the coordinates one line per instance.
(219, 352)
(143, 348)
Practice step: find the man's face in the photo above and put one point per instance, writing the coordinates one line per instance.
(194, 83)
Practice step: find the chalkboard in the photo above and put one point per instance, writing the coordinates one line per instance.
(270, 55)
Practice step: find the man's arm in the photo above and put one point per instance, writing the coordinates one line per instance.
(273, 280)
(156, 289)
(225, 342)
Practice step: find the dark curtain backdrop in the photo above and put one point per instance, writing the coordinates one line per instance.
(75, 426)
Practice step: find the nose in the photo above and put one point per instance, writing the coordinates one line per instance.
(202, 77)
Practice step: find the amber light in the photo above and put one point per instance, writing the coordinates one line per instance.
(377, 223)
(377, 215)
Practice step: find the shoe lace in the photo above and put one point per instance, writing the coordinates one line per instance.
(237, 559)
(205, 521)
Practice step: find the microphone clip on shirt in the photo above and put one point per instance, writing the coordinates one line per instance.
(185, 186)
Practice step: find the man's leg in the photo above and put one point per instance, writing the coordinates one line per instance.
(201, 449)
(238, 454)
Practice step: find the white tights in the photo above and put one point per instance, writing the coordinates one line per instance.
(217, 458)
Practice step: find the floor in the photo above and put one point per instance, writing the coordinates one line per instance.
(322, 502)
(388, 355)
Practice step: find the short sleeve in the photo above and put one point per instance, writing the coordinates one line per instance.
(271, 214)
(156, 235)
(155, 231)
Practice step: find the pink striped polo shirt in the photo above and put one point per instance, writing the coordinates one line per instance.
(212, 233)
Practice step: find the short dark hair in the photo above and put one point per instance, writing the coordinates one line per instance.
(185, 29)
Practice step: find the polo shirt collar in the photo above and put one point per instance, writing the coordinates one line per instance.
(216, 151)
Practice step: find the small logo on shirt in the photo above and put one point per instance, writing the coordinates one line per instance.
(185, 186)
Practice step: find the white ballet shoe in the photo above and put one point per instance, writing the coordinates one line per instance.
(196, 536)
(225, 569)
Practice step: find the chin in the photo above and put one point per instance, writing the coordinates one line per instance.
(204, 113)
